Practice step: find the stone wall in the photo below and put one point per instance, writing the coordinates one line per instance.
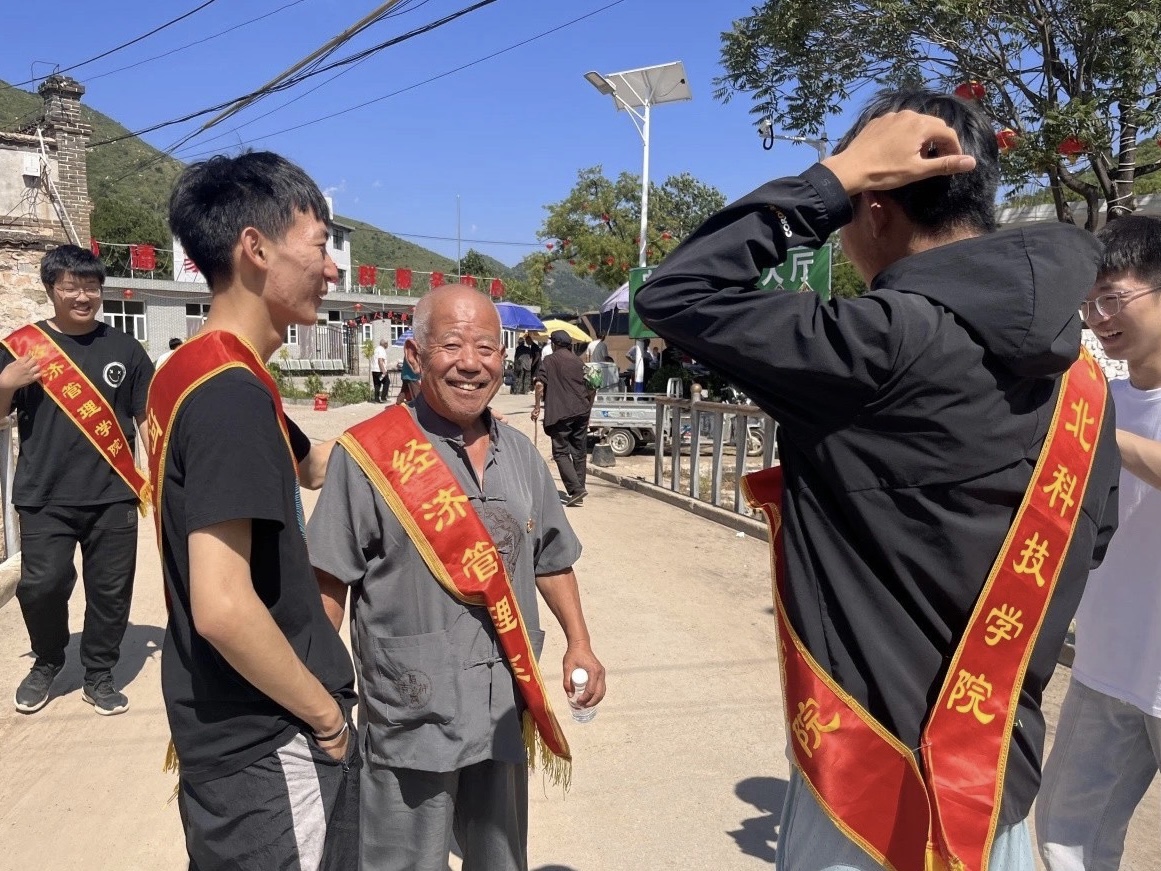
(22, 296)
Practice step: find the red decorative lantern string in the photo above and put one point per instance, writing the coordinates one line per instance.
(1071, 147)
(1006, 139)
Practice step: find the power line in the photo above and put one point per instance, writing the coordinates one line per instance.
(427, 81)
(188, 45)
(133, 41)
(301, 77)
(454, 239)
(163, 155)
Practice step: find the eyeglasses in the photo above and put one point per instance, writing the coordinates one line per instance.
(1108, 304)
(77, 292)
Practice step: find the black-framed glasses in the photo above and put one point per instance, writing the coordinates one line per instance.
(1108, 304)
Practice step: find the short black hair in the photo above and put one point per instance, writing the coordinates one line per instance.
(174, 343)
(215, 200)
(81, 262)
(1132, 244)
(943, 203)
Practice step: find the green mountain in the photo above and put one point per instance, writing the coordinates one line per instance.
(130, 181)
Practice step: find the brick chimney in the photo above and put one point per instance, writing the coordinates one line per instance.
(62, 118)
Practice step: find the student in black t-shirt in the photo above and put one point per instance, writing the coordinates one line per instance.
(258, 686)
(65, 491)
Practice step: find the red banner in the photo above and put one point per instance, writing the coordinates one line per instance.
(95, 247)
(469, 280)
(403, 279)
(497, 288)
(436, 279)
(367, 276)
(142, 258)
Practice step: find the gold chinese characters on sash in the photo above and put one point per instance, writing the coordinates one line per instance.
(432, 507)
(942, 815)
(82, 403)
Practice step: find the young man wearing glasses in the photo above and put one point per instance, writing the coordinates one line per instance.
(78, 387)
(1108, 742)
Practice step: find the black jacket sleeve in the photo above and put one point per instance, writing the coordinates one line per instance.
(802, 360)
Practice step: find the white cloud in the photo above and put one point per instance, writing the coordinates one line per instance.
(473, 228)
(376, 184)
(335, 189)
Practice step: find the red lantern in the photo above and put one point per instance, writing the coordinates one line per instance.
(548, 246)
(667, 236)
(605, 217)
(358, 306)
(127, 293)
(1006, 139)
(1071, 147)
(972, 90)
(566, 243)
(610, 260)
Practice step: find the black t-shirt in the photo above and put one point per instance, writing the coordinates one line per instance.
(227, 460)
(58, 464)
(566, 394)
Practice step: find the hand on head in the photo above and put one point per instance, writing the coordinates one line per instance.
(897, 149)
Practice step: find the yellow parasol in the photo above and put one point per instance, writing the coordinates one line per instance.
(552, 325)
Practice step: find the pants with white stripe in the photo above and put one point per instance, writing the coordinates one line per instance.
(294, 810)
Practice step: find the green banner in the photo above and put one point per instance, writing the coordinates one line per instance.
(637, 277)
(804, 269)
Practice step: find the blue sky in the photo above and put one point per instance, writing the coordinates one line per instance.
(506, 135)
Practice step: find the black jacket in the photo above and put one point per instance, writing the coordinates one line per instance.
(910, 420)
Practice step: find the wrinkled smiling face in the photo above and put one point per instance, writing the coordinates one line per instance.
(461, 363)
(1134, 332)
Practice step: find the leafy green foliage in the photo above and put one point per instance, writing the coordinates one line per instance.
(596, 228)
(348, 392)
(1085, 70)
(312, 384)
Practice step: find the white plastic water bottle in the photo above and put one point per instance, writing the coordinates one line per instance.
(580, 680)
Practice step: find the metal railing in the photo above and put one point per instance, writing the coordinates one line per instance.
(744, 429)
(7, 473)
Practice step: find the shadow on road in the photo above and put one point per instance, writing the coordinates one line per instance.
(141, 643)
(758, 835)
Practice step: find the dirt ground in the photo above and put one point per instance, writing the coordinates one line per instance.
(682, 767)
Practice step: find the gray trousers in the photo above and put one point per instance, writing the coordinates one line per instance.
(409, 817)
(1104, 758)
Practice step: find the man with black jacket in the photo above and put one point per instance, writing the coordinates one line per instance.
(911, 421)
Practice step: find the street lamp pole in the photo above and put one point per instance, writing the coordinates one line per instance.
(637, 92)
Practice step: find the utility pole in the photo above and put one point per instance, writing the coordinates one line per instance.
(459, 263)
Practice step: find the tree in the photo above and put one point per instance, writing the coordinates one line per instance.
(1070, 78)
(473, 263)
(597, 227)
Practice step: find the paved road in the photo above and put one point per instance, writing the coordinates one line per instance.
(681, 768)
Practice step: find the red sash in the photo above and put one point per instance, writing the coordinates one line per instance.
(194, 363)
(944, 815)
(429, 502)
(82, 403)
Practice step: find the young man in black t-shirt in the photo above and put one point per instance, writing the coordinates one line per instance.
(258, 686)
(67, 494)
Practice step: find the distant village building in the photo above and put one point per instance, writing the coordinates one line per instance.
(44, 197)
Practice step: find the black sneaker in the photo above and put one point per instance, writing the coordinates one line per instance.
(32, 694)
(576, 498)
(104, 698)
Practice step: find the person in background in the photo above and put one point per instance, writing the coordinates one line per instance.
(567, 399)
(174, 344)
(408, 383)
(380, 377)
(522, 365)
(78, 387)
(1108, 739)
